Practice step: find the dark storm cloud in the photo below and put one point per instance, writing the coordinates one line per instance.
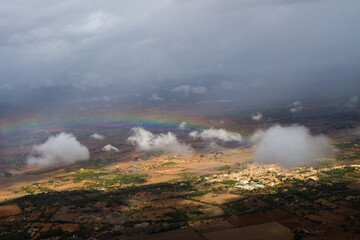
(248, 44)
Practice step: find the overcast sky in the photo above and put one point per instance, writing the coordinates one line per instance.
(202, 44)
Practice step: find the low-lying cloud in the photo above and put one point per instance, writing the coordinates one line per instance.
(187, 89)
(97, 136)
(155, 97)
(290, 146)
(257, 116)
(110, 148)
(354, 99)
(257, 136)
(216, 134)
(60, 149)
(353, 103)
(296, 107)
(165, 143)
(182, 125)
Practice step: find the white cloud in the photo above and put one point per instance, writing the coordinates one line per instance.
(155, 97)
(353, 103)
(220, 134)
(257, 116)
(165, 143)
(97, 136)
(291, 146)
(187, 89)
(182, 125)
(60, 149)
(296, 107)
(110, 148)
(101, 99)
(257, 136)
(354, 99)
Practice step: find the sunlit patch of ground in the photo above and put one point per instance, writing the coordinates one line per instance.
(9, 184)
(219, 197)
(271, 230)
(211, 225)
(159, 178)
(8, 210)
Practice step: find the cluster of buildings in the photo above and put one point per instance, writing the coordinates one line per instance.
(265, 175)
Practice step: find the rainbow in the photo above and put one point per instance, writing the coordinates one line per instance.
(33, 124)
